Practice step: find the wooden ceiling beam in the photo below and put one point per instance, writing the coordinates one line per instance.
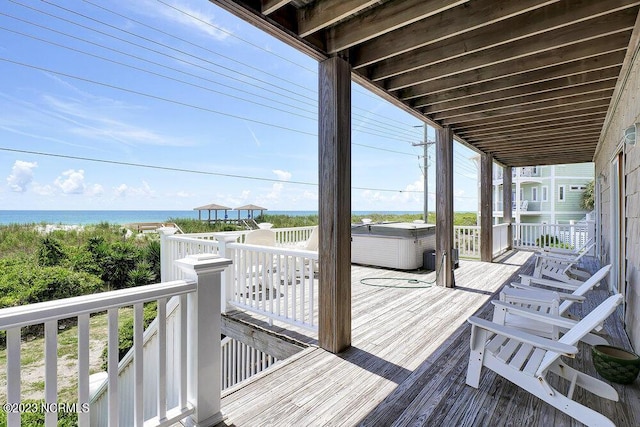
(383, 20)
(270, 6)
(565, 103)
(531, 24)
(571, 141)
(576, 110)
(519, 134)
(525, 98)
(590, 30)
(546, 160)
(536, 63)
(532, 126)
(576, 81)
(321, 14)
(449, 23)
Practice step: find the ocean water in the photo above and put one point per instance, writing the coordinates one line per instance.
(125, 217)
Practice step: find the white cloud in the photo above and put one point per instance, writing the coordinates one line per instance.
(144, 191)
(282, 175)
(71, 182)
(21, 176)
(43, 190)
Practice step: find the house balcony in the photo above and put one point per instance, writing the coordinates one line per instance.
(406, 365)
(408, 360)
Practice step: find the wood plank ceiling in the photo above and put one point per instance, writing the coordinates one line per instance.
(529, 81)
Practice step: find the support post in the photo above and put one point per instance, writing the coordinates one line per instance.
(165, 254)
(334, 154)
(507, 197)
(444, 207)
(227, 275)
(204, 329)
(486, 207)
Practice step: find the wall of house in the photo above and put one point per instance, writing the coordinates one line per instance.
(624, 113)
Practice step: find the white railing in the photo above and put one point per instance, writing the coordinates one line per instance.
(241, 361)
(276, 281)
(178, 246)
(573, 235)
(279, 283)
(238, 362)
(199, 400)
(467, 240)
(500, 238)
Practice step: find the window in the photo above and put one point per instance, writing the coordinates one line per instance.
(577, 188)
(534, 194)
(545, 193)
(561, 195)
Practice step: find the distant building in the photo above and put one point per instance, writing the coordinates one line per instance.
(550, 194)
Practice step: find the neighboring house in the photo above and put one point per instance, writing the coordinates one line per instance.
(550, 194)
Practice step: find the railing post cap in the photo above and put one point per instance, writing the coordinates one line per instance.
(203, 263)
(167, 231)
(227, 236)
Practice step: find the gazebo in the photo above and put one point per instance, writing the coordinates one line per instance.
(212, 207)
(250, 210)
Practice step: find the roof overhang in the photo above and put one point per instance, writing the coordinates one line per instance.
(529, 81)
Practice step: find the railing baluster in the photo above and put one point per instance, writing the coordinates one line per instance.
(51, 370)
(162, 359)
(182, 392)
(138, 365)
(112, 366)
(13, 375)
(83, 369)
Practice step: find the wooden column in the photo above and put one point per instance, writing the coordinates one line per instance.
(507, 197)
(444, 206)
(486, 208)
(334, 229)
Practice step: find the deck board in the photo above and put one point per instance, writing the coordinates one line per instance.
(408, 360)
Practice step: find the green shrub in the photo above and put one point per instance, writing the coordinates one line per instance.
(50, 252)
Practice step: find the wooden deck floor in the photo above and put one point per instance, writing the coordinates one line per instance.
(408, 361)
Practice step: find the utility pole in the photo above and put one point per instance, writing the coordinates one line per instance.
(425, 144)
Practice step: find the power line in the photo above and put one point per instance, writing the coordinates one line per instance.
(194, 44)
(382, 131)
(173, 169)
(235, 36)
(159, 98)
(172, 78)
(153, 42)
(183, 52)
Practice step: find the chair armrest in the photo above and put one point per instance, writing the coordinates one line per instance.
(535, 315)
(550, 283)
(522, 336)
(557, 258)
(561, 295)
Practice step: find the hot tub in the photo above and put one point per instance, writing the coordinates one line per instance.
(393, 245)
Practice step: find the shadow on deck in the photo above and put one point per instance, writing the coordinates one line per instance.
(408, 360)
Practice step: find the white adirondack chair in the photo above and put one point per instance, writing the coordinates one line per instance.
(560, 267)
(549, 302)
(527, 360)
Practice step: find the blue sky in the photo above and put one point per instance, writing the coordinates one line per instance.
(182, 85)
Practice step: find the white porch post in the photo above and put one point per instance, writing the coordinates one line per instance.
(204, 328)
(227, 275)
(165, 253)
